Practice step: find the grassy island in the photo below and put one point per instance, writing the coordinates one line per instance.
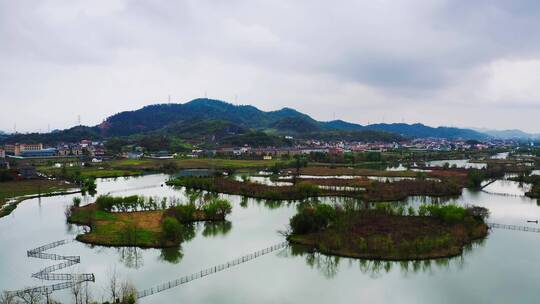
(368, 190)
(387, 233)
(250, 189)
(139, 222)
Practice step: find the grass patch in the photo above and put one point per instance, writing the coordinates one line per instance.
(141, 229)
(28, 187)
(157, 164)
(19, 189)
(88, 172)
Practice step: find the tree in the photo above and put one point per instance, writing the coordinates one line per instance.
(76, 292)
(76, 201)
(31, 296)
(223, 207)
(128, 293)
(8, 298)
(114, 285)
(172, 229)
(476, 177)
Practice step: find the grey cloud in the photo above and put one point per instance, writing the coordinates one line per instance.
(398, 51)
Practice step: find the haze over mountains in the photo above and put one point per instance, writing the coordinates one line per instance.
(509, 134)
(210, 119)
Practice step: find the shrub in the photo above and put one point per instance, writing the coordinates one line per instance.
(303, 222)
(217, 208)
(307, 189)
(76, 201)
(326, 212)
(447, 213)
(183, 213)
(172, 229)
(105, 202)
(313, 219)
(475, 178)
(87, 184)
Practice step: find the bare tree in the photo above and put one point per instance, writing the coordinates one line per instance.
(76, 292)
(8, 298)
(128, 293)
(114, 284)
(86, 294)
(31, 296)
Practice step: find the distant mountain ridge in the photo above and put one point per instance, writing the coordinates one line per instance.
(210, 119)
(157, 116)
(509, 134)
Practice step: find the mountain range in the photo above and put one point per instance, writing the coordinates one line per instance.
(509, 134)
(209, 120)
(285, 121)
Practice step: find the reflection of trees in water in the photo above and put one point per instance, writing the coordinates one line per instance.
(329, 265)
(212, 229)
(244, 202)
(270, 204)
(69, 228)
(175, 254)
(131, 257)
(273, 204)
(172, 255)
(189, 232)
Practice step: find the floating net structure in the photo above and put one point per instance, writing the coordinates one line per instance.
(68, 279)
(513, 227)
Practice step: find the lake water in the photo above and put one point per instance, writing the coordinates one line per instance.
(460, 163)
(502, 269)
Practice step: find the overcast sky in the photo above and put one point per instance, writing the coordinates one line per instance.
(455, 63)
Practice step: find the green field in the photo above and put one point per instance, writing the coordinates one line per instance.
(136, 228)
(129, 167)
(149, 164)
(27, 187)
(94, 171)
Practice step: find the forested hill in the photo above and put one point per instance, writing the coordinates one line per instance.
(208, 119)
(286, 120)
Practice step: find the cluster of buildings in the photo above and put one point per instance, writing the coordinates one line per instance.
(96, 151)
(340, 147)
(36, 150)
(429, 144)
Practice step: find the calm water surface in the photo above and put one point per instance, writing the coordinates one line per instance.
(501, 269)
(460, 163)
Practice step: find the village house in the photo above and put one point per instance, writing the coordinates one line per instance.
(17, 148)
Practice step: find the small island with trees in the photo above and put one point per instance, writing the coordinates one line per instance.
(143, 222)
(388, 232)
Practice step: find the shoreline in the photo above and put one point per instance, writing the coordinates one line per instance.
(11, 203)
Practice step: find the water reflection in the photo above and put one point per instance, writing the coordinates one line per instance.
(213, 229)
(131, 257)
(172, 255)
(244, 202)
(328, 265)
